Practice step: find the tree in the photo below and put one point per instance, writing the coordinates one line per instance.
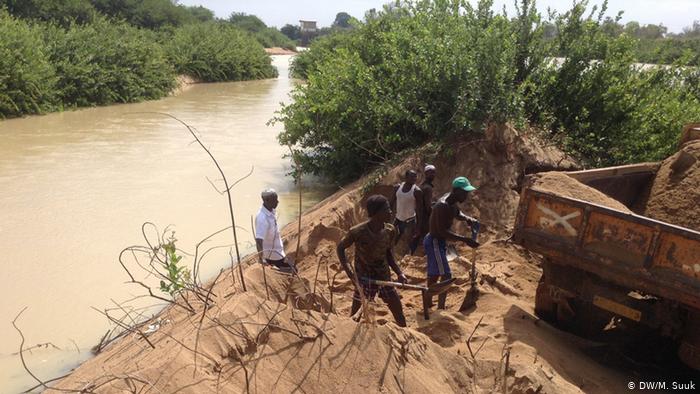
(611, 27)
(63, 12)
(201, 14)
(632, 28)
(247, 22)
(342, 20)
(293, 32)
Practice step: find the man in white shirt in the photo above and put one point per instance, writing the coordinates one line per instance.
(406, 198)
(267, 235)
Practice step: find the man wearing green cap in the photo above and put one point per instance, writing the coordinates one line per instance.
(443, 214)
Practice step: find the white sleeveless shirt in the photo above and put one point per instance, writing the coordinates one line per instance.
(405, 203)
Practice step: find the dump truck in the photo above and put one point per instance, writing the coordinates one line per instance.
(602, 264)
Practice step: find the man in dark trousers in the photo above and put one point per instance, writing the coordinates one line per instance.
(374, 257)
(443, 214)
(406, 200)
(424, 208)
(267, 234)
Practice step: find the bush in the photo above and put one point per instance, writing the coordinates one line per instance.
(421, 71)
(108, 62)
(606, 109)
(62, 12)
(425, 70)
(215, 52)
(27, 77)
(267, 36)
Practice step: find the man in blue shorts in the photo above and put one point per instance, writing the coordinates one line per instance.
(443, 214)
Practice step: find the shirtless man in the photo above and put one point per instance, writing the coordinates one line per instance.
(373, 241)
(435, 243)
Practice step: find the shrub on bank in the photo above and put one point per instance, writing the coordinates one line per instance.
(27, 76)
(108, 62)
(418, 72)
(215, 52)
(607, 109)
(425, 70)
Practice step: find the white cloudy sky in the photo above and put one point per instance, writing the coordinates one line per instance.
(674, 14)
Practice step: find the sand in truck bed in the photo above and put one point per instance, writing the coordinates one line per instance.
(561, 184)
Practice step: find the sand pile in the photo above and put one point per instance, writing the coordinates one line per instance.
(496, 164)
(267, 347)
(292, 343)
(279, 51)
(675, 193)
(564, 185)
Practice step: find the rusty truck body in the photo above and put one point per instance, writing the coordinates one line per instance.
(602, 262)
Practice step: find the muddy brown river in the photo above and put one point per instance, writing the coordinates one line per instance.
(75, 188)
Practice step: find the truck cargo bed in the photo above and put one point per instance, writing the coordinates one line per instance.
(629, 250)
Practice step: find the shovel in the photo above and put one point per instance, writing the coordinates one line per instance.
(426, 292)
(473, 292)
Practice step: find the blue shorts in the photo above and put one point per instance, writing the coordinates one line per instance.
(436, 252)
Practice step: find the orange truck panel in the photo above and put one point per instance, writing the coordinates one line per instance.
(623, 248)
(554, 218)
(617, 239)
(679, 254)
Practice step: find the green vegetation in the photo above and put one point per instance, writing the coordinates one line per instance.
(216, 52)
(427, 70)
(655, 45)
(26, 75)
(177, 275)
(58, 54)
(149, 14)
(105, 62)
(267, 36)
(343, 22)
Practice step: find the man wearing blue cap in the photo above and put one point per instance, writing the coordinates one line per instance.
(443, 214)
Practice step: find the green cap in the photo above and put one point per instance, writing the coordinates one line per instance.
(463, 183)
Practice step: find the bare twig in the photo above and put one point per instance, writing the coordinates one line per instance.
(77, 349)
(473, 354)
(126, 327)
(252, 168)
(29, 390)
(297, 178)
(199, 329)
(245, 370)
(148, 288)
(505, 372)
(38, 346)
(21, 346)
(227, 188)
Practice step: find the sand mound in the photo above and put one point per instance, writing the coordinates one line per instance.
(271, 347)
(496, 164)
(564, 185)
(675, 193)
(279, 51)
(284, 338)
(295, 291)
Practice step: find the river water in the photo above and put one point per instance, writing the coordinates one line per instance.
(75, 188)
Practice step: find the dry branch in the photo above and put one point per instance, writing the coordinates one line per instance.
(473, 354)
(21, 346)
(193, 132)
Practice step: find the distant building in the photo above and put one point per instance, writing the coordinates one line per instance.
(308, 26)
(308, 31)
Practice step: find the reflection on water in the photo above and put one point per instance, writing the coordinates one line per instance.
(76, 187)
